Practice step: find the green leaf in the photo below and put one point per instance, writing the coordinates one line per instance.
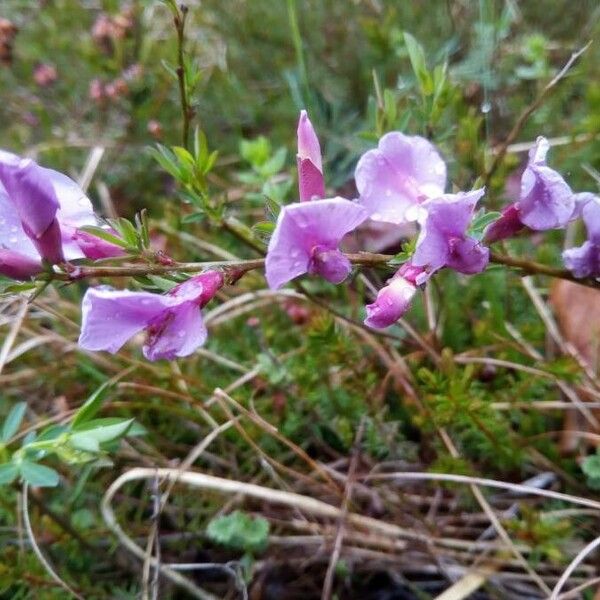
(165, 158)
(105, 430)
(85, 441)
(38, 475)
(13, 421)
(8, 473)
(274, 164)
(591, 466)
(91, 406)
(127, 231)
(419, 64)
(105, 235)
(163, 284)
(240, 531)
(481, 221)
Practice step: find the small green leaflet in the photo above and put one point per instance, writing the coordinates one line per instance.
(13, 421)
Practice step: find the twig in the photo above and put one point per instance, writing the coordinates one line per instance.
(186, 112)
(37, 550)
(339, 536)
(503, 485)
(572, 566)
(534, 268)
(522, 119)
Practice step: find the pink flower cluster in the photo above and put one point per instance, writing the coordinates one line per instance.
(43, 214)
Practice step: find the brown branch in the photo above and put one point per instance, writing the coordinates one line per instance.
(236, 268)
(534, 268)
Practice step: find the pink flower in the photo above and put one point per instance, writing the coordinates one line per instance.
(443, 241)
(41, 211)
(395, 298)
(45, 75)
(584, 261)
(545, 200)
(172, 322)
(401, 173)
(307, 238)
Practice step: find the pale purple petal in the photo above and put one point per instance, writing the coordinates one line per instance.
(330, 264)
(591, 217)
(308, 142)
(581, 200)
(111, 317)
(303, 226)
(287, 256)
(31, 193)
(546, 200)
(453, 213)
(583, 261)
(391, 303)
(179, 331)
(311, 184)
(12, 236)
(468, 256)
(401, 172)
(18, 266)
(75, 208)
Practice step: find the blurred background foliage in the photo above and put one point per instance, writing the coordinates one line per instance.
(77, 74)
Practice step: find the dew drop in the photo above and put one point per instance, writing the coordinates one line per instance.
(13, 239)
(14, 229)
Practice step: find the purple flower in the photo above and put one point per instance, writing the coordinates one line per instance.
(29, 196)
(306, 240)
(41, 211)
(400, 173)
(172, 322)
(311, 184)
(395, 298)
(443, 242)
(545, 201)
(584, 261)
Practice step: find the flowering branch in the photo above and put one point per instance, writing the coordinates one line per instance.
(240, 267)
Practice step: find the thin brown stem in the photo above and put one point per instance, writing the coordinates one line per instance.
(237, 268)
(524, 116)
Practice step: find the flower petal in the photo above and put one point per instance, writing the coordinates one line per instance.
(75, 208)
(583, 261)
(400, 172)
(591, 217)
(468, 256)
(12, 236)
(546, 200)
(311, 185)
(18, 266)
(30, 191)
(179, 331)
(308, 142)
(111, 317)
(391, 303)
(331, 265)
